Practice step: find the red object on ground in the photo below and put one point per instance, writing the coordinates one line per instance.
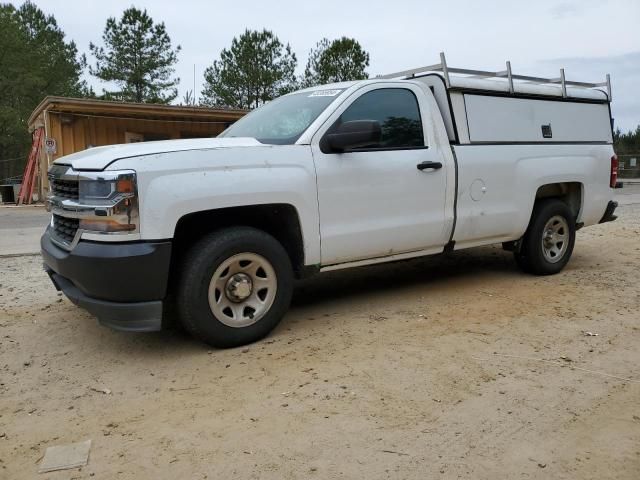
(31, 170)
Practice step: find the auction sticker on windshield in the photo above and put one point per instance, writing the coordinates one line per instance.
(325, 93)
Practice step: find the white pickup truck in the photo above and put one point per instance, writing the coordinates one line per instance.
(415, 163)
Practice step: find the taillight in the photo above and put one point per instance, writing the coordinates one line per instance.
(613, 179)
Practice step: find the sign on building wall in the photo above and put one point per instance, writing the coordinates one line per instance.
(50, 146)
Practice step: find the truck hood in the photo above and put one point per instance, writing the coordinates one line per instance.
(98, 158)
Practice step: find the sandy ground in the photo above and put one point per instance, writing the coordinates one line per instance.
(451, 367)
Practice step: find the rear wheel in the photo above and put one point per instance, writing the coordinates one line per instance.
(236, 285)
(548, 242)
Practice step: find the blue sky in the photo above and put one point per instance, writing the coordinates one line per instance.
(588, 37)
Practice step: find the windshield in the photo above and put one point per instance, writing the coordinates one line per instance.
(283, 120)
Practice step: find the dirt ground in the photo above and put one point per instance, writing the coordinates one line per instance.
(451, 367)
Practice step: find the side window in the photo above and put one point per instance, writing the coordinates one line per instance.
(396, 109)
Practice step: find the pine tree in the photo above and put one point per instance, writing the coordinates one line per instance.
(138, 57)
(627, 142)
(337, 61)
(35, 61)
(255, 69)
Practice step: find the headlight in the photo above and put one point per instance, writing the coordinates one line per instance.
(95, 189)
(107, 186)
(113, 199)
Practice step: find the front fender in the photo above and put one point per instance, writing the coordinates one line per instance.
(176, 184)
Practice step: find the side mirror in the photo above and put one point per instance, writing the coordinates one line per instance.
(352, 135)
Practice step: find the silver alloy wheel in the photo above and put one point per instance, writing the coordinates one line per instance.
(555, 238)
(242, 289)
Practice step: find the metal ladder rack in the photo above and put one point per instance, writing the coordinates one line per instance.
(446, 70)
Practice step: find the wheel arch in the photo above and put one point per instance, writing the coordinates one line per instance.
(280, 220)
(571, 193)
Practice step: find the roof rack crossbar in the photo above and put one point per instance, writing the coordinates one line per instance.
(510, 77)
(446, 70)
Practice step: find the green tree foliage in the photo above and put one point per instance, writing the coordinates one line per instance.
(255, 69)
(138, 57)
(628, 142)
(336, 61)
(35, 61)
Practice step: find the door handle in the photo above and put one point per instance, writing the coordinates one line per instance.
(431, 165)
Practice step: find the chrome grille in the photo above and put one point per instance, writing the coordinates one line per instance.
(65, 228)
(64, 188)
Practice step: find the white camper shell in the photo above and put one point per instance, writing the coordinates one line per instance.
(480, 107)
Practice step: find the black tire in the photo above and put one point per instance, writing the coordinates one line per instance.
(537, 257)
(198, 267)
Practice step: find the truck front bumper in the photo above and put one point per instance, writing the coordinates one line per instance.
(122, 284)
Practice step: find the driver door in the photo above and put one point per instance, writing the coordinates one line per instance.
(374, 201)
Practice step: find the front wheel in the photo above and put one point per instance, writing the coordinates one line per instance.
(548, 242)
(235, 286)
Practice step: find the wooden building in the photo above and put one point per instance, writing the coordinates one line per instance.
(74, 124)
